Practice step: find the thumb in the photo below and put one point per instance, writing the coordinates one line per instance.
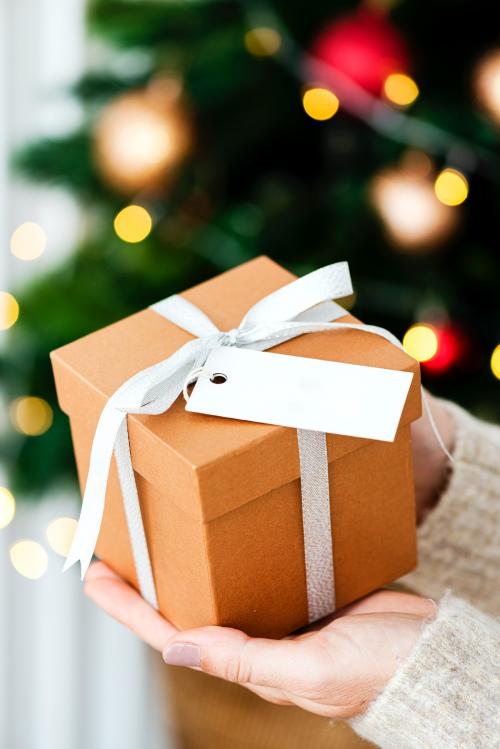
(233, 656)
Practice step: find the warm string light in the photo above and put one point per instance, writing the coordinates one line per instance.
(495, 362)
(487, 84)
(320, 103)
(9, 310)
(451, 187)
(31, 416)
(262, 41)
(7, 507)
(133, 224)
(400, 89)
(60, 534)
(421, 342)
(28, 241)
(29, 558)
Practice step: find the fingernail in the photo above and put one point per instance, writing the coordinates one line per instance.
(182, 654)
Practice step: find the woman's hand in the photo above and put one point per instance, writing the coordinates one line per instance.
(334, 669)
(430, 464)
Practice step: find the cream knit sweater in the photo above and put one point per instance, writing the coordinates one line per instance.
(447, 694)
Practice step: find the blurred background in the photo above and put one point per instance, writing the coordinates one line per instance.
(147, 145)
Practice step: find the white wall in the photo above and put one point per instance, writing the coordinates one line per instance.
(70, 678)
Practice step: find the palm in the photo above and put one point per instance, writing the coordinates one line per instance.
(333, 669)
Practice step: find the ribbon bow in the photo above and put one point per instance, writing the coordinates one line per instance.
(303, 306)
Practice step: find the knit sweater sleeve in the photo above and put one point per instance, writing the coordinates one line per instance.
(459, 541)
(447, 693)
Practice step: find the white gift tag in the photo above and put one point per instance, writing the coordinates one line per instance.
(294, 391)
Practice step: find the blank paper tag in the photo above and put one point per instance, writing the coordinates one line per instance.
(294, 391)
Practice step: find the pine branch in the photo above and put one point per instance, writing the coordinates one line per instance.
(66, 161)
(149, 24)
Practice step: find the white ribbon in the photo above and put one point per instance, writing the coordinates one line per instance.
(303, 306)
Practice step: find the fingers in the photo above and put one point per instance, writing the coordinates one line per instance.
(99, 570)
(231, 655)
(122, 602)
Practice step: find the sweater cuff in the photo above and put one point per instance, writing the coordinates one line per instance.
(459, 541)
(445, 695)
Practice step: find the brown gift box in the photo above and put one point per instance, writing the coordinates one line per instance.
(220, 498)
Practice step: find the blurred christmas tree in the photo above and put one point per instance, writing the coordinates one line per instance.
(237, 129)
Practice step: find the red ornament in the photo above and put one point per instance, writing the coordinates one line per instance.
(452, 346)
(364, 47)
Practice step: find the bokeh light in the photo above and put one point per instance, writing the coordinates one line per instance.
(416, 162)
(29, 558)
(412, 215)
(60, 534)
(452, 346)
(141, 137)
(9, 310)
(495, 362)
(31, 416)
(320, 103)
(451, 187)
(400, 89)
(133, 224)
(421, 342)
(7, 507)
(487, 84)
(28, 241)
(262, 41)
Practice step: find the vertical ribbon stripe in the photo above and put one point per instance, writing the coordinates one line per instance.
(316, 519)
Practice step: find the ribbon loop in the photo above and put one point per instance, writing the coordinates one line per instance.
(185, 315)
(288, 302)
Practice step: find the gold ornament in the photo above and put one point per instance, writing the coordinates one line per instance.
(141, 137)
(486, 82)
(414, 218)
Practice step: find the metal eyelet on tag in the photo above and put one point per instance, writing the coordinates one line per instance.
(218, 378)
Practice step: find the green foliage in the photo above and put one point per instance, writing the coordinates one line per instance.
(262, 178)
(64, 161)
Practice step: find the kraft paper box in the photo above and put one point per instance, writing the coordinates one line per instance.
(220, 498)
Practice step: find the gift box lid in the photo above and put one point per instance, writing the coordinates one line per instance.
(211, 465)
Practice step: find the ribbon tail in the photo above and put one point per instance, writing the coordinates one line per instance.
(89, 524)
(133, 516)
